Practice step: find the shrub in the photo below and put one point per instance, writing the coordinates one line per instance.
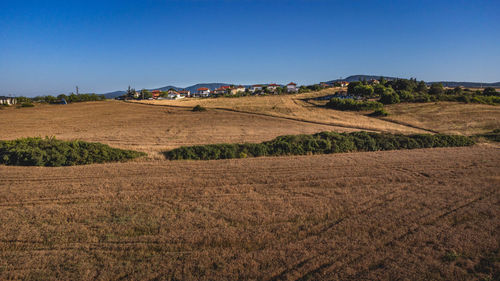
(351, 104)
(490, 91)
(379, 113)
(492, 136)
(362, 90)
(320, 143)
(389, 97)
(25, 104)
(436, 89)
(52, 152)
(199, 108)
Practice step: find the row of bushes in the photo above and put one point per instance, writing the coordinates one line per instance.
(406, 96)
(351, 104)
(53, 152)
(320, 143)
(59, 99)
(492, 136)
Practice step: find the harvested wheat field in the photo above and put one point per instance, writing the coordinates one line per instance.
(430, 214)
(447, 117)
(147, 128)
(406, 118)
(294, 107)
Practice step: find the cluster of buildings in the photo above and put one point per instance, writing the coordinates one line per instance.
(204, 92)
(254, 89)
(7, 100)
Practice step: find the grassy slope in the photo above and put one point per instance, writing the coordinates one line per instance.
(443, 117)
(448, 117)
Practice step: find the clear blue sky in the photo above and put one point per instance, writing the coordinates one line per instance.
(48, 47)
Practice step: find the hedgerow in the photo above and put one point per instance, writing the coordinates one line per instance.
(351, 104)
(52, 152)
(492, 136)
(320, 143)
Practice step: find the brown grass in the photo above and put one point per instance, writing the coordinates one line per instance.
(294, 106)
(431, 214)
(146, 128)
(447, 117)
(424, 214)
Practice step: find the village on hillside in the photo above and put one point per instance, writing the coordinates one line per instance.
(228, 90)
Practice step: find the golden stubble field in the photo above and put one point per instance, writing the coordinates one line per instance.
(400, 215)
(429, 214)
(146, 128)
(406, 118)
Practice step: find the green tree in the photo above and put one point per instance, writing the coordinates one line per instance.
(146, 94)
(436, 89)
(458, 91)
(490, 91)
(352, 85)
(421, 87)
(378, 90)
(389, 97)
(363, 91)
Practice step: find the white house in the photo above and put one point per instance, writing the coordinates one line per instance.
(185, 93)
(255, 88)
(272, 87)
(175, 96)
(291, 88)
(7, 100)
(203, 92)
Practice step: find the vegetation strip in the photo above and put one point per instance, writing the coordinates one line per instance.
(52, 152)
(320, 143)
(492, 136)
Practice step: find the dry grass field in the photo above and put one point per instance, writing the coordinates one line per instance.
(146, 128)
(401, 215)
(293, 107)
(443, 117)
(427, 214)
(447, 117)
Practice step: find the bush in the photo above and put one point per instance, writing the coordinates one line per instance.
(320, 143)
(436, 89)
(490, 91)
(351, 104)
(52, 152)
(25, 104)
(199, 108)
(379, 113)
(492, 136)
(389, 97)
(362, 90)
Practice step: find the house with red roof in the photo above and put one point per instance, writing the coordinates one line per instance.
(272, 87)
(255, 88)
(156, 94)
(291, 88)
(237, 90)
(203, 92)
(344, 84)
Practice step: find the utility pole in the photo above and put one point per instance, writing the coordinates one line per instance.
(77, 90)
